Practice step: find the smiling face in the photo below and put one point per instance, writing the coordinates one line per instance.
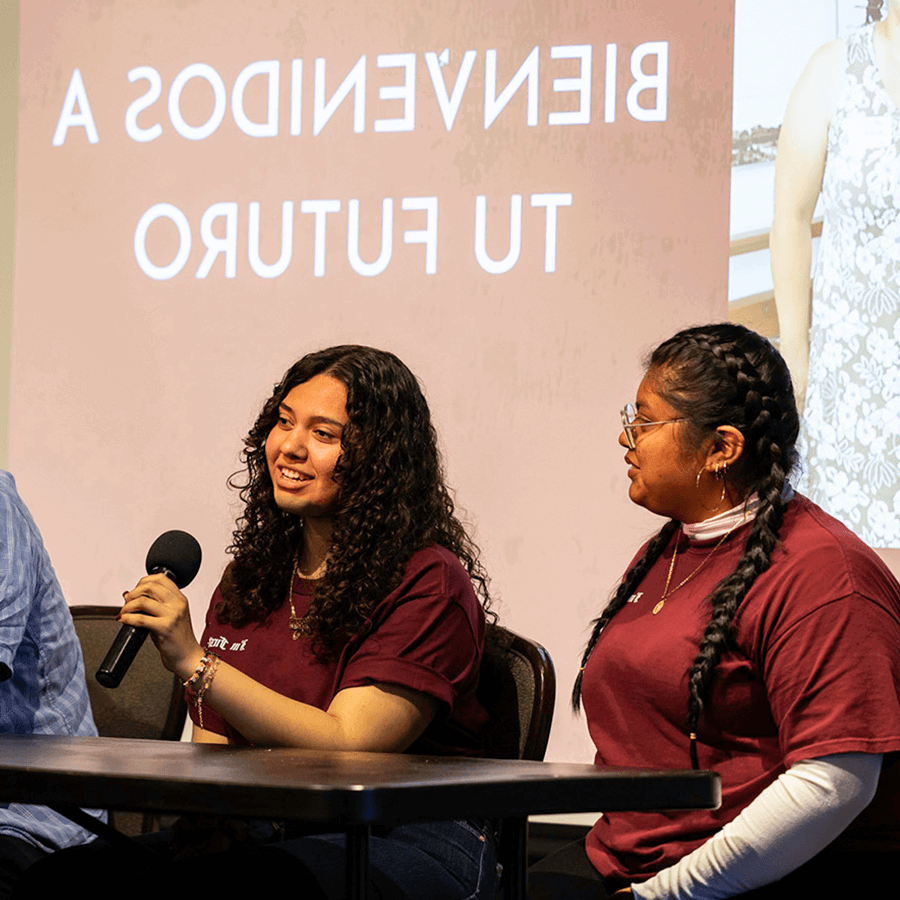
(304, 446)
(662, 468)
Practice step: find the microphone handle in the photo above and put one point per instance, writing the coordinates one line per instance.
(121, 655)
(124, 648)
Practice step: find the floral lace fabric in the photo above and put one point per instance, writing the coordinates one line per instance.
(852, 416)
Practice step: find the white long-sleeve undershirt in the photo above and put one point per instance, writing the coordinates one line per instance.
(794, 818)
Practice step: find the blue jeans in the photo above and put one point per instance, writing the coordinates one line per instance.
(454, 860)
(421, 861)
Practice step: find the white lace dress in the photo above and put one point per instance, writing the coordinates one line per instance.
(852, 417)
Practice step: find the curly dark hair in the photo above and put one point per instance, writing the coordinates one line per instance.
(392, 502)
(714, 375)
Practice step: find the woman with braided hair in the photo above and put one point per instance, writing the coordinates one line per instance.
(754, 635)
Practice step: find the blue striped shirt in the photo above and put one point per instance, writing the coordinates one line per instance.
(42, 689)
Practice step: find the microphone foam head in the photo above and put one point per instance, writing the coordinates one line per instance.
(179, 553)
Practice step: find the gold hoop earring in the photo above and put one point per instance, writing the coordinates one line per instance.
(724, 476)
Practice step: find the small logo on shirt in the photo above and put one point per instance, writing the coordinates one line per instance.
(221, 643)
(635, 597)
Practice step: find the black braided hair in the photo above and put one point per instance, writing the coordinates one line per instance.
(633, 577)
(715, 375)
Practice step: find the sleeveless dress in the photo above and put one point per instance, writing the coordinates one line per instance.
(852, 414)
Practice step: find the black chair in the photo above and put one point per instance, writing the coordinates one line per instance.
(517, 687)
(149, 703)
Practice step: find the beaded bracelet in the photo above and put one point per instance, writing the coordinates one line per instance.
(191, 683)
(208, 676)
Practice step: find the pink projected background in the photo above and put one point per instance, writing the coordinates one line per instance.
(518, 198)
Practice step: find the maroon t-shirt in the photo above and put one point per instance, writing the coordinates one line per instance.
(426, 635)
(815, 671)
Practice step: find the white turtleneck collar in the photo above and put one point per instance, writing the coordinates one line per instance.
(727, 521)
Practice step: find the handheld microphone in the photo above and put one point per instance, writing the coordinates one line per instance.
(175, 554)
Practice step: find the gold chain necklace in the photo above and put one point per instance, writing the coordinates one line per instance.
(298, 624)
(295, 623)
(666, 592)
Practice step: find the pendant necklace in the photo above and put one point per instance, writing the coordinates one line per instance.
(298, 624)
(295, 622)
(666, 592)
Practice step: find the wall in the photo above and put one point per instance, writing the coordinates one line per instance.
(9, 83)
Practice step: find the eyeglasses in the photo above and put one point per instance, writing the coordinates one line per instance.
(632, 424)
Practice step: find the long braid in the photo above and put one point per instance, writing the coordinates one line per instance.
(726, 599)
(633, 577)
(716, 375)
(763, 445)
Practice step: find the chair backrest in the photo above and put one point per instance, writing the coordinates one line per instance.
(149, 703)
(517, 687)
